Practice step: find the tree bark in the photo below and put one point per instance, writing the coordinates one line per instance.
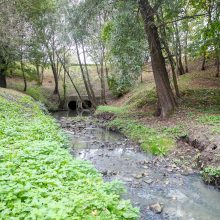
(83, 74)
(3, 82)
(24, 76)
(170, 58)
(203, 61)
(88, 78)
(102, 79)
(166, 100)
(178, 51)
(23, 71)
(171, 61)
(185, 53)
(217, 64)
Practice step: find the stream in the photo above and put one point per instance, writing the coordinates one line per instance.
(148, 179)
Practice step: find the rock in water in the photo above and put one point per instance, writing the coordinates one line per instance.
(156, 208)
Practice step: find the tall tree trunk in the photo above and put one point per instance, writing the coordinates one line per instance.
(203, 61)
(55, 75)
(217, 63)
(166, 98)
(185, 52)
(42, 75)
(171, 61)
(24, 76)
(170, 57)
(88, 78)
(38, 74)
(3, 82)
(51, 56)
(178, 51)
(83, 74)
(102, 79)
(23, 71)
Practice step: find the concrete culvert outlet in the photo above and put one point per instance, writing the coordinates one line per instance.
(86, 104)
(72, 105)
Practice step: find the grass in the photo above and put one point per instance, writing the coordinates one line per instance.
(40, 179)
(203, 100)
(150, 140)
(212, 120)
(112, 109)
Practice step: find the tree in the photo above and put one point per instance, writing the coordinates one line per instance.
(166, 100)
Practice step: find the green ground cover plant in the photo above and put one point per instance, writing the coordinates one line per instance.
(149, 139)
(211, 175)
(39, 179)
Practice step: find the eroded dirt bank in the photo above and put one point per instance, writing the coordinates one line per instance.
(154, 184)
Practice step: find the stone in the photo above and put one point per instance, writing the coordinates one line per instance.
(149, 181)
(137, 176)
(156, 208)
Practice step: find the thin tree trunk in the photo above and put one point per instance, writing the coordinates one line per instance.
(53, 67)
(102, 78)
(75, 87)
(24, 77)
(166, 98)
(83, 75)
(179, 50)
(88, 78)
(42, 75)
(141, 77)
(51, 56)
(185, 53)
(97, 70)
(203, 61)
(38, 74)
(170, 58)
(217, 64)
(23, 71)
(171, 61)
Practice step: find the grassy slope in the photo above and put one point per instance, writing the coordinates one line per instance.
(40, 179)
(199, 107)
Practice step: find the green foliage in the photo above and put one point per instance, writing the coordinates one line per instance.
(14, 70)
(40, 179)
(211, 174)
(36, 93)
(149, 139)
(119, 85)
(175, 132)
(126, 43)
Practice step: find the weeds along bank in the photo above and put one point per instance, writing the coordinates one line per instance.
(40, 179)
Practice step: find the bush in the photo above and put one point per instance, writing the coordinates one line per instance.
(40, 179)
(118, 86)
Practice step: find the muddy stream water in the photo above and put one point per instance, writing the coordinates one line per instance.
(148, 179)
